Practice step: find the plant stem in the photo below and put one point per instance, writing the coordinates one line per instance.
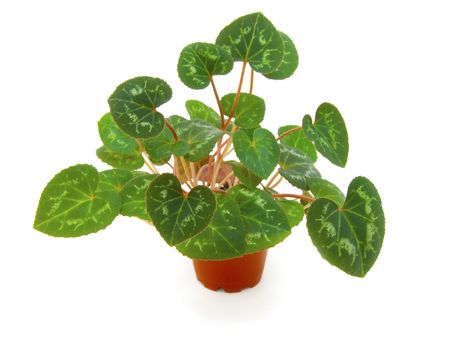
(252, 75)
(219, 103)
(292, 195)
(172, 130)
(186, 170)
(276, 174)
(277, 183)
(225, 179)
(218, 190)
(193, 173)
(218, 163)
(237, 96)
(288, 132)
(145, 156)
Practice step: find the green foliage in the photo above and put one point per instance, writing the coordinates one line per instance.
(293, 210)
(245, 176)
(113, 138)
(296, 167)
(289, 62)
(249, 112)
(298, 140)
(198, 110)
(113, 179)
(198, 62)
(129, 161)
(133, 196)
(324, 189)
(161, 147)
(349, 237)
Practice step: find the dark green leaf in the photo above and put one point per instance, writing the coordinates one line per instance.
(134, 104)
(113, 179)
(129, 161)
(160, 148)
(134, 196)
(113, 138)
(245, 176)
(298, 140)
(249, 112)
(324, 189)
(259, 153)
(252, 38)
(265, 221)
(350, 237)
(175, 216)
(296, 167)
(223, 238)
(198, 62)
(328, 133)
(293, 210)
(70, 206)
(290, 61)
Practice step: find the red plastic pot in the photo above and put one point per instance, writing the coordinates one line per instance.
(232, 275)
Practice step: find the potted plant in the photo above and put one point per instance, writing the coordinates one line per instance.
(222, 212)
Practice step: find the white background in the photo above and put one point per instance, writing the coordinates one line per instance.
(396, 70)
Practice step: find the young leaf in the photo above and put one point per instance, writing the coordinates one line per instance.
(259, 153)
(134, 104)
(252, 38)
(223, 238)
(134, 196)
(349, 237)
(245, 176)
(71, 206)
(129, 161)
(293, 210)
(324, 189)
(113, 138)
(296, 167)
(113, 179)
(198, 110)
(328, 133)
(198, 62)
(289, 62)
(249, 112)
(265, 221)
(298, 140)
(176, 217)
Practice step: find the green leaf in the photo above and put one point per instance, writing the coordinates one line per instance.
(175, 216)
(113, 179)
(298, 140)
(129, 161)
(349, 237)
(70, 205)
(296, 167)
(328, 133)
(180, 148)
(259, 153)
(223, 238)
(293, 210)
(245, 176)
(134, 196)
(113, 138)
(249, 112)
(160, 148)
(289, 62)
(134, 104)
(252, 38)
(265, 221)
(324, 189)
(198, 62)
(198, 110)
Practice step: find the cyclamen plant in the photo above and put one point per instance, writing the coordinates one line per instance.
(211, 206)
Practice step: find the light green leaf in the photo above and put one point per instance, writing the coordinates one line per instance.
(129, 161)
(290, 61)
(198, 62)
(328, 133)
(249, 112)
(180, 148)
(160, 148)
(265, 221)
(349, 237)
(223, 238)
(113, 179)
(134, 104)
(113, 138)
(134, 196)
(252, 38)
(296, 167)
(293, 210)
(298, 140)
(70, 205)
(259, 153)
(245, 176)
(324, 189)
(176, 217)
(198, 110)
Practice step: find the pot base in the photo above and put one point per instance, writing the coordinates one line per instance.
(232, 275)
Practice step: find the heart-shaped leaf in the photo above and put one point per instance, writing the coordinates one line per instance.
(296, 167)
(129, 161)
(176, 217)
(324, 189)
(160, 148)
(198, 62)
(349, 237)
(249, 112)
(298, 140)
(265, 221)
(114, 179)
(134, 196)
(289, 62)
(293, 210)
(134, 104)
(198, 110)
(252, 38)
(245, 176)
(113, 138)
(223, 238)
(328, 133)
(258, 152)
(70, 205)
